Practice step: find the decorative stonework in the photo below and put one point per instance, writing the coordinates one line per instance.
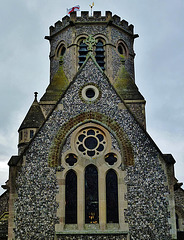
(37, 187)
(90, 117)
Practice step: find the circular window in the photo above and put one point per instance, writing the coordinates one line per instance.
(91, 142)
(90, 93)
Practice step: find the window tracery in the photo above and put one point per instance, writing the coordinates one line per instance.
(91, 165)
(98, 50)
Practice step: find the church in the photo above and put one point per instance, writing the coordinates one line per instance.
(86, 167)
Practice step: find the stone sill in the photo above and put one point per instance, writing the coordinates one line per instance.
(93, 232)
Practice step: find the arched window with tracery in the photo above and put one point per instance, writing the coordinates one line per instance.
(71, 198)
(91, 195)
(112, 197)
(92, 169)
(98, 51)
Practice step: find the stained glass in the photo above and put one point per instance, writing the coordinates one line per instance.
(71, 198)
(91, 195)
(112, 197)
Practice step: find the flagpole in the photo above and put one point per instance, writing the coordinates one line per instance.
(91, 6)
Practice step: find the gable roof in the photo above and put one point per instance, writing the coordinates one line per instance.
(90, 57)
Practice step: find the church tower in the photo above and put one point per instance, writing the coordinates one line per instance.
(86, 166)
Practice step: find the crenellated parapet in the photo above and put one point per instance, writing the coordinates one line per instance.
(87, 19)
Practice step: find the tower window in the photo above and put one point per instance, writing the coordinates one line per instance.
(122, 49)
(91, 195)
(31, 133)
(82, 52)
(61, 50)
(71, 198)
(100, 54)
(20, 136)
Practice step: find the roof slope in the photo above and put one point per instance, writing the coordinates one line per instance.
(57, 86)
(34, 117)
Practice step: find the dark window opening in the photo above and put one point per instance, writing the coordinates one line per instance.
(31, 133)
(112, 197)
(82, 53)
(91, 195)
(100, 54)
(90, 93)
(120, 49)
(111, 158)
(61, 51)
(71, 159)
(91, 142)
(20, 136)
(177, 222)
(71, 198)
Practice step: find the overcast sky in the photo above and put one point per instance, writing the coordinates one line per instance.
(159, 65)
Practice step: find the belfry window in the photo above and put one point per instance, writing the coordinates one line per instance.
(71, 198)
(82, 52)
(98, 51)
(100, 54)
(91, 195)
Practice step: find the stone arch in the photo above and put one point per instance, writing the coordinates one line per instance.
(105, 121)
(59, 48)
(122, 45)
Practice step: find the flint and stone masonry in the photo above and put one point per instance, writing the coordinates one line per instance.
(90, 124)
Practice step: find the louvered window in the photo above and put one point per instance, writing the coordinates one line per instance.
(100, 54)
(82, 53)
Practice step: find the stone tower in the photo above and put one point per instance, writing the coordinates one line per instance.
(86, 166)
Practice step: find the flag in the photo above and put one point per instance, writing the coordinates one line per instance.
(73, 9)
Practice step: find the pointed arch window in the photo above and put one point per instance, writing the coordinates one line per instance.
(100, 54)
(71, 198)
(112, 197)
(91, 195)
(82, 52)
(60, 50)
(88, 183)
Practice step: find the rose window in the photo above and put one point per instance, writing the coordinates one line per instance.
(91, 142)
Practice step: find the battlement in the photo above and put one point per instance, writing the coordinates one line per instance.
(86, 18)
